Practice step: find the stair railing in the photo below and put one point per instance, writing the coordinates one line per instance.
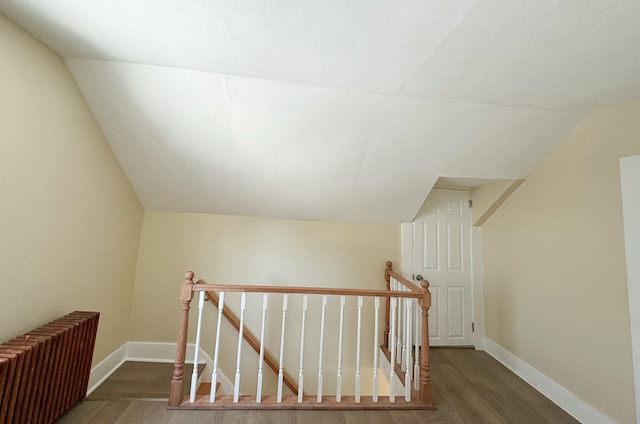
(406, 336)
(404, 303)
(251, 339)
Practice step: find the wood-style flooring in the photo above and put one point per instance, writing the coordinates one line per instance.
(469, 387)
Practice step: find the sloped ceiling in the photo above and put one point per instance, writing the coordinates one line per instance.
(335, 110)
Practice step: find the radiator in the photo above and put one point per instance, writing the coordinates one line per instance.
(46, 371)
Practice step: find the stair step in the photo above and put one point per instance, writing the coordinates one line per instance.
(205, 389)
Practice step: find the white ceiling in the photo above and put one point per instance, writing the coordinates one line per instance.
(335, 110)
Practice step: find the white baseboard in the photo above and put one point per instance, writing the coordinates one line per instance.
(385, 369)
(562, 397)
(104, 369)
(157, 352)
(149, 352)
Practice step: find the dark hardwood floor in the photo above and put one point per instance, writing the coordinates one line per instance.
(469, 387)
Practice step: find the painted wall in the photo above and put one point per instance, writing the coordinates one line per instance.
(243, 250)
(555, 279)
(489, 197)
(485, 196)
(69, 220)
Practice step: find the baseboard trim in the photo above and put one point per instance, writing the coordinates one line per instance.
(149, 352)
(562, 397)
(157, 352)
(104, 369)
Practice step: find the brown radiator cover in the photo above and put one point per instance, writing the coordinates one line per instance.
(46, 371)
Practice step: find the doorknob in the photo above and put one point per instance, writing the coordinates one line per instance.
(419, 277)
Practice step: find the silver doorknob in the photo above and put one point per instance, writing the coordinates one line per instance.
(419, 277)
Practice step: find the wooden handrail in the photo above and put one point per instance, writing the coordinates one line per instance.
(408, 284)
(250, 338)
(303, 290)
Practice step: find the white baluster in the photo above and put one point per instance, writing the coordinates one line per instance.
(399, 329)
(301, 372)
(407, 373)
(360, 301)
(194, 375)
(214, 373)
(392, 372)
(285, 297)
(236, 387)
(339, 376)
(265, 300)
(416, 363)
(375, 348)
(409, 333)
(403, 365)
(391, 340)
(324, 310)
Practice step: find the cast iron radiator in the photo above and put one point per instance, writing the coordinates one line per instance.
(46, 371)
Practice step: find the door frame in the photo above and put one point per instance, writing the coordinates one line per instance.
(477, 287)
(477, 291)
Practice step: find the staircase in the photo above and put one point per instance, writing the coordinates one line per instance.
(204, 389)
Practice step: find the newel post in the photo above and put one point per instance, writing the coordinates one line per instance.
(186, 294)
(425, 377)
(387, 309)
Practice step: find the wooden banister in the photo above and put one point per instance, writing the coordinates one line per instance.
(408, 284)
(303, 290)
(177, 382)
(425, 391)
(250, 339)
(425, 377)
(397, 287)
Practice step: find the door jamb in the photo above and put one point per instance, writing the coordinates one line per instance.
(477, 288)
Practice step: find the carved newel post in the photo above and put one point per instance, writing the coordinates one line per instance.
(425, 377)
(387, 278)
(186, 294)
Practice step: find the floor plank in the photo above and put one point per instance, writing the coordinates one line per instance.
(469, 387)
(140, 380)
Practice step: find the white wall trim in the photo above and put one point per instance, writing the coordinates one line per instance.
(150, 352)
(477, 286)
(629, 179)
(156, 352)
(562, 397)
(104, 369)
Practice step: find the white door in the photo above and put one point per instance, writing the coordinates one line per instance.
(442, 255)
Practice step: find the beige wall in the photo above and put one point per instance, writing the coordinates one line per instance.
(242, 250)
(554, 266)
(489, 197)
(485, 196)
(69, 220)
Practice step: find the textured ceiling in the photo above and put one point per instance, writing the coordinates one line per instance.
(335, 110)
